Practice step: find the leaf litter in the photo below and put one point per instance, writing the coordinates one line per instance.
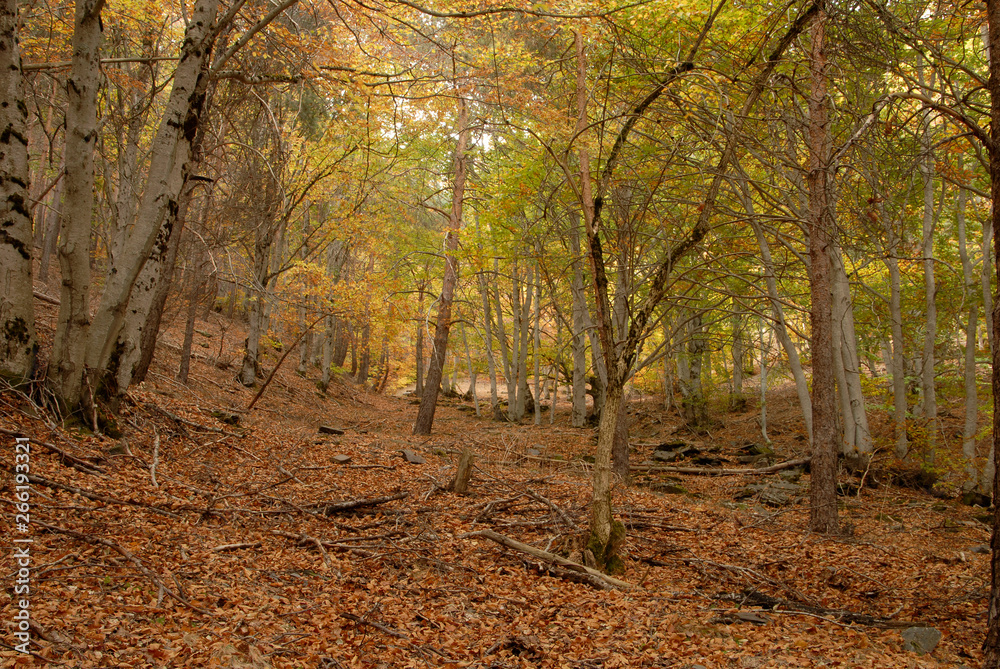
(193, 542)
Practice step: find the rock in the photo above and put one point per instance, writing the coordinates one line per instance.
(981, 549)
(790, 475)
(772, 493)
(973, 498)
(326, 429)
(920, 640)
(226, 417)
(669, 488)
(341, 459)
(412, 457)
(534, 452)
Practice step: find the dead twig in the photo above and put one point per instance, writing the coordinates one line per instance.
(101, 541)
(98, 497)
(548, 557)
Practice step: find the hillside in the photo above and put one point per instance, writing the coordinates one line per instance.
(207, 536)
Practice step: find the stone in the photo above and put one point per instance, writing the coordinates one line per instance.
(669, 488)
(341, 459)
(920, 640)
(981, 549)
(326, 429)
(412, 457)
(790, 475)
(772, 493)
(534, 452)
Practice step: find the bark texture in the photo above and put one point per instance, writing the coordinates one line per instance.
(69, 346)
(18, 345)
(428, 403)
(823, 491)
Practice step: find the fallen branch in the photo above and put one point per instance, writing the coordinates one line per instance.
(548, 557)
(305, 539)
(100, 541)
(562, 514)
(836, 616)
(45, 298)
(235, 547)
(707, 471)
(87, 466)
(379, 626)
(156, 459)
(184, 421)
(97, 497)
(330, 508)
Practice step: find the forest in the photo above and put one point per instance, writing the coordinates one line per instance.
(645, 256)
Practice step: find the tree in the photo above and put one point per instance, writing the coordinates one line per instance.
(18, 345)
(428, 401)
(823, 467)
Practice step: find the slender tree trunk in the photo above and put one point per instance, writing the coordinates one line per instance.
(580, 322)
(18, 344)
(781, 326)
(737, 400)
(428, 403)
(927, 380)
(856, 420)
(488, 333)
(536, 351)
(69, 346)
(472, 371)
(971, 427)
(51, 239)
(898, 360)
(505, 353)
(991, 645)
(764, 346)
(985, 279)
(419, 353)
(823, 468)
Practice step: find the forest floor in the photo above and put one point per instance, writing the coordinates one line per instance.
(191, 542)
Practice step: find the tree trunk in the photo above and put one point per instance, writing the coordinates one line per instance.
(428, 403)
(18, 344)
(488, 332)
(991, 645)
(580, 322)
(823, 468)
(898, 360)
(170, 158)
(778, 312)
(419, 353)
(69, 345)
(971, 427)
(927, 380)
(51, 239)
(737, 400)
(857, 433)
(472, 372)
(764, 345)
(693, 402)
(536, 350)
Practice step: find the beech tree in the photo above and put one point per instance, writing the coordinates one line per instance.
(18, 344)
